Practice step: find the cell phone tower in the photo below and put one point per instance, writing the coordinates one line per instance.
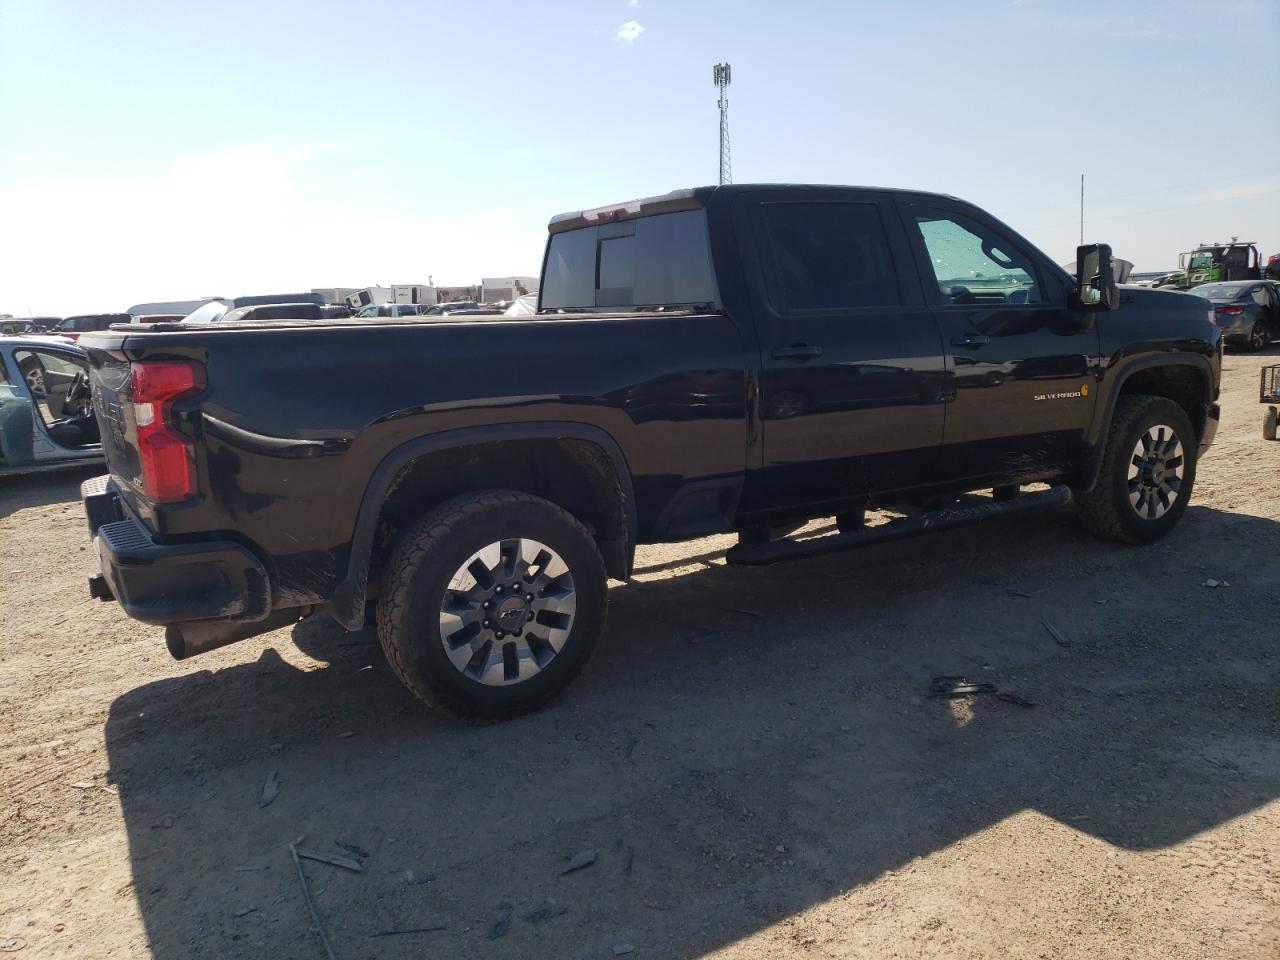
(722, 75)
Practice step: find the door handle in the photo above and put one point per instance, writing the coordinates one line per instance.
(797, 351)
(971, 340)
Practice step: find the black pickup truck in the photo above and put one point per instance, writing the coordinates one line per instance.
(734, 358)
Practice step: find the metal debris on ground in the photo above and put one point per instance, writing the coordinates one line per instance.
(1056, 634)
(401, 933)
(346, 863)
(501, 923)
(270, 789)
(306, 895)
(584, 859)
(1216, 583)
(951, 688)
(11, 944)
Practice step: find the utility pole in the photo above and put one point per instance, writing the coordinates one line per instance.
(721, 75)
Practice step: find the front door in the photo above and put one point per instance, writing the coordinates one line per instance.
(852, 377)
(1019, 356)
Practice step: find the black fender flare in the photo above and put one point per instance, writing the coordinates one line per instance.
(348, 601)
(1088, 476)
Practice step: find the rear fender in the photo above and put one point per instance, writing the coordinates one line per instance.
(347, 604)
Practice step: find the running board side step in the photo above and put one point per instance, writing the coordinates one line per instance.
(774, 551)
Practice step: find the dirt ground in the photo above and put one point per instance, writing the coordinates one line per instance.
(753, 755)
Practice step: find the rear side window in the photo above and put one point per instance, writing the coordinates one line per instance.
(658, 261)
(828, 256)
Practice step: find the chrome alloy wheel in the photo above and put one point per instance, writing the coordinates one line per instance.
(507, 612)
(1155, 472)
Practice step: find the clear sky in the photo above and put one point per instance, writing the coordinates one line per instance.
(158, 150)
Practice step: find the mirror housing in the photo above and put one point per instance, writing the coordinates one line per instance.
(1096, 277)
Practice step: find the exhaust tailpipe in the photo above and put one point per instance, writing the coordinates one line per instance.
(185, 640)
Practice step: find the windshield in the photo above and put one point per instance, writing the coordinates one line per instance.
(1221, 292)
(210, 312)
(1200, 261)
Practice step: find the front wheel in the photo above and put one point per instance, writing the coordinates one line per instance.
(494, 602)
(1148, 471)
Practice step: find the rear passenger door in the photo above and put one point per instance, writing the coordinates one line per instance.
(851, 381)
(1018, 354)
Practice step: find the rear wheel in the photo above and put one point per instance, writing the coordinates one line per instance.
(1258, 338)
(494, 602)
(1148, 471)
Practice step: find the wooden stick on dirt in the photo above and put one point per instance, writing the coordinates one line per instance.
(306, 895)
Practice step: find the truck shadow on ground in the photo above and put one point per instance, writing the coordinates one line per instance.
(41, 489)
(746, 744)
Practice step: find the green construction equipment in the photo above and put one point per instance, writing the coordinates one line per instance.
(1212, 262)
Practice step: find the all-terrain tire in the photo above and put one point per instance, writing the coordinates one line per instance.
(425, 558)
(1106, 510)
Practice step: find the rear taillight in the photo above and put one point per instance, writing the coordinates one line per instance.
(167, 457)
(1229, 311)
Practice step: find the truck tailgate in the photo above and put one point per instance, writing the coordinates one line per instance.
(110, 381)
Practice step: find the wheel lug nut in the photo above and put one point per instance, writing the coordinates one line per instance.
(529, 597)
(499, 634)
(486, 624)
(487, 604)
(498, 590)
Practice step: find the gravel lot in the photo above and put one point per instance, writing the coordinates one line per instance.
(753, 754)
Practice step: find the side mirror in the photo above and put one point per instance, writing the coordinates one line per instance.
(1096, 277)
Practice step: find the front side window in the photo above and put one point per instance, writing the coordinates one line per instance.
(828, 256)
(973, 264)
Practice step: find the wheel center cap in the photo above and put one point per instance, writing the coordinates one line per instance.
(512, 614)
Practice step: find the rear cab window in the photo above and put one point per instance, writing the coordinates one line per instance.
(656, 262)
